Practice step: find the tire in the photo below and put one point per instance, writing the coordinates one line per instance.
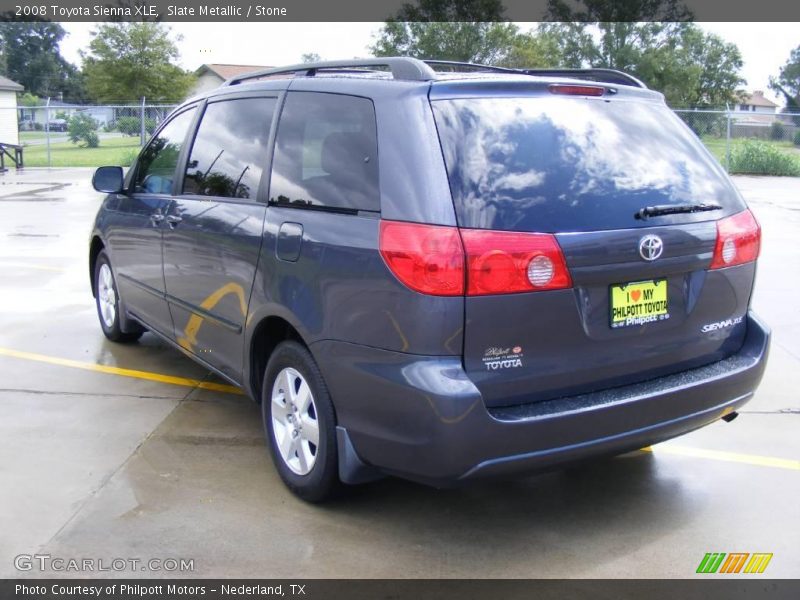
(107, 302)
(293, 421)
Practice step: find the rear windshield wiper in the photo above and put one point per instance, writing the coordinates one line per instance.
(674, 209)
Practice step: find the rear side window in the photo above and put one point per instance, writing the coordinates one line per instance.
(326, 153)
(230, 149)
(554, 164)
(155, 171)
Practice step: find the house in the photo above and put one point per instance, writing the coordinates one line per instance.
(9, 126)
(103, 115)
(214, 75)
(754, 109)
(755, 102)
(35, 117)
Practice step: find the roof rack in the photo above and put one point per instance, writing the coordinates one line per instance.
(469, 65)
(410, 69)
(598, 75)
(413, 69)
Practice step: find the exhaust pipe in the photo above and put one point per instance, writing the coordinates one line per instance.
(730, 416)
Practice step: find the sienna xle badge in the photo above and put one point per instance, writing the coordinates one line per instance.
(438, 271)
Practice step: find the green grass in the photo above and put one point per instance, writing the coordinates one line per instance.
(112, 151)
(717, 146)
(28, 136)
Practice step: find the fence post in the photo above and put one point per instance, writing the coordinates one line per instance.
(47, 129)
(142, 138)
(728, 139)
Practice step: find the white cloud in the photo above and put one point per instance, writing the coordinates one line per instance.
(765, 47)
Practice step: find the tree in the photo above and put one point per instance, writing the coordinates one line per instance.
(477, 42)
(83, 130)
(30, 55)
(541, 50)
(28, 99)
(689, 66)
(310, 57)
(464, 31)
(620, 11)
(788, 81)
(128, 61)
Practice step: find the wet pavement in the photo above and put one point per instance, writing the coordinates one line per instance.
(105, 465)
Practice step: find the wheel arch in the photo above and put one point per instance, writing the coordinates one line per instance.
(267, 334)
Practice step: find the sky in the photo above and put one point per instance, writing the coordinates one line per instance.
(765, 47)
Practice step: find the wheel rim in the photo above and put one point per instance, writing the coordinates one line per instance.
(294, 421)
(106, 296)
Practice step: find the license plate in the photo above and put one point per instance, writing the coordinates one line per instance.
(639, 303)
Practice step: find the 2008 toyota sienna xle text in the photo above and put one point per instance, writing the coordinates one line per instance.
(438, 271)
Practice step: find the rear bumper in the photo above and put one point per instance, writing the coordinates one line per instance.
(422, 418)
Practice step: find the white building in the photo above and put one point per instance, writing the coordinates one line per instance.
(212, 76)
(9, 126)
(755, 109)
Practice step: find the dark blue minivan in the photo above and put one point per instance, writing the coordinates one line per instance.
(438, 271)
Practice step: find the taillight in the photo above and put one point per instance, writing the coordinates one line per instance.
(427, 258)
(500, 262)
(738, 240)
(576, 90)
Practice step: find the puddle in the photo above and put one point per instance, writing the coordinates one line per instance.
(21, 198)
(32, 195)
(34, 235)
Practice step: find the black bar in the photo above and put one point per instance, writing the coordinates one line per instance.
(360, 10)
(704, 587)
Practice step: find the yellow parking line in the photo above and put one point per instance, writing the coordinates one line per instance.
(748, 459)
(76, 364)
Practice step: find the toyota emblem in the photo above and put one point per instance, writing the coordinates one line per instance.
(650, 247)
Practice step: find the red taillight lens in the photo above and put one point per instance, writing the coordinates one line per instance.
(500, 262)
(738, 240)
(576, 90)
(427, 258)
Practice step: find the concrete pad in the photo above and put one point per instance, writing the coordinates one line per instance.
(214, 498)
(99, 466)
(58, 450)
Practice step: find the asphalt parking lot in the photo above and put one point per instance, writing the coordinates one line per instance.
(110, 451)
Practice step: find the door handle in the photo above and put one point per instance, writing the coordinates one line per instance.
(173, 220)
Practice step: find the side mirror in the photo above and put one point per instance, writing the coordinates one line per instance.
(108, 180)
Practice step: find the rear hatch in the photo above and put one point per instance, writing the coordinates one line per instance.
(631, 295)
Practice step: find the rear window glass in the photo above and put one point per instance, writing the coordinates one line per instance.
(572, 164)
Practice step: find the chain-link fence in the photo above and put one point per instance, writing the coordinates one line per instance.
(69, 135)
(66, 135)
(749, 141)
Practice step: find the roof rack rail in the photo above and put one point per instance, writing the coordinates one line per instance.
(410, 69)
(598, 75)
(413, 69)
(469, 65)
